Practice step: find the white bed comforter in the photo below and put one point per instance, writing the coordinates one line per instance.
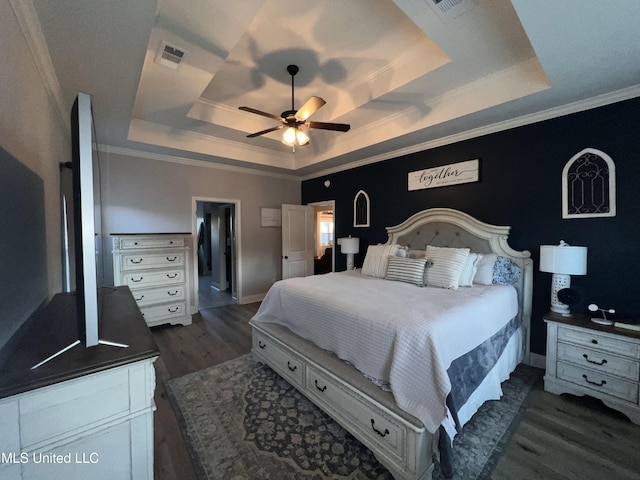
(393, 331)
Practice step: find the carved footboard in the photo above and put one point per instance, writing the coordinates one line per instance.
(398, 440)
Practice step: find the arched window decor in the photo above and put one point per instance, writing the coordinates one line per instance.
(589, 185)
(361, 209)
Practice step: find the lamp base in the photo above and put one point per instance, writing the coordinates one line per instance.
(350, 261)
(558, 282)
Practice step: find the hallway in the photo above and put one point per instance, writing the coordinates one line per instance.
(210, 297)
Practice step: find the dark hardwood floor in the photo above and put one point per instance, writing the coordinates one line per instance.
(215, 336)
(559, 438)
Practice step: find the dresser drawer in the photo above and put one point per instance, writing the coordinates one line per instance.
(285, 362)
(156, 241)
(592, 339)
(599, 361)
(599, 382)
(152, 296)
(160, 313)
(136, 280)
(373, 425)
(143, 261)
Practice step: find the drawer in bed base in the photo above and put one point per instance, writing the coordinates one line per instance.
(401, 447)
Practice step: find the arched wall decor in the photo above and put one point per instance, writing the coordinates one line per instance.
(589, 185)
(361, 209)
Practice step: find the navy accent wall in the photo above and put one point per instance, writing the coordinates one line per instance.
(521, 186)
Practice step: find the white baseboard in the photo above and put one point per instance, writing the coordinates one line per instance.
(537, 360)
(251, 298)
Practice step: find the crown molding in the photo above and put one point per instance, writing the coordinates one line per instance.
(30, 25)
(130, 152)
(549, 114)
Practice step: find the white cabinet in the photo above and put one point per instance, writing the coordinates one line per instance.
(157, 268)
(584, 358)
(97, 426)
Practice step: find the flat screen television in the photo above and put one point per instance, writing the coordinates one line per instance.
(86, 223)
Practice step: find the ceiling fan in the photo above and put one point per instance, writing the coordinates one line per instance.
(293, 120)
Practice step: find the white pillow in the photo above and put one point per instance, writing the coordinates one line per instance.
(484, 272)
(410, 270)
(445, 266)
(375, 262)
(469, 270)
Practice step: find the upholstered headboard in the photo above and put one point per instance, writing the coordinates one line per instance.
(445, 227)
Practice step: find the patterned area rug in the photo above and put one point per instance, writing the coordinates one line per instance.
(242, 421)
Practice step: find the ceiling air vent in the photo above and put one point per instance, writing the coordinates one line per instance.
(449, 9)
(170, 56)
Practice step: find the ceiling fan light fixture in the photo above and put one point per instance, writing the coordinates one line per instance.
(289, 136)
(302, 137)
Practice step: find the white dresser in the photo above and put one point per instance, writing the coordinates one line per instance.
(157, 268)
(584, 358)
(87, 413)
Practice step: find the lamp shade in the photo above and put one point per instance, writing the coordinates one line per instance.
(349, 244)
(563, 259)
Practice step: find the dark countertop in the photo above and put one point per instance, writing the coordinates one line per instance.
(54, 327)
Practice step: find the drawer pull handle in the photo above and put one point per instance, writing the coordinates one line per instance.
(173, 310)
(261, 345)
(594, 341)
(172, 259)
(603, 382)
(322, 389)
(382, 434)
(172, 293)
(135, 261)
(138, 280)
(586, 357)
(172, 275)
(140, 298)
(295, 367)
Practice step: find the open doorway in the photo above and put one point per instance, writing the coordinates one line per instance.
(215, 253)
(324, 215)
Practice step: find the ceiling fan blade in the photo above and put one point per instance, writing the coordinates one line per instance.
(309, 108)
(264, 114)
(340, 127)
(268, 130)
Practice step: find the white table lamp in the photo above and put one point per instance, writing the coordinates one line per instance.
(563, 261)
(349, 245)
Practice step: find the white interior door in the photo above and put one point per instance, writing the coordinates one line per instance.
(297, 241)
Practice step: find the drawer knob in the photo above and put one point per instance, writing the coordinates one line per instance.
(603, 382)
(261, 345)
(594, 341)
(382, 434)
(294, 368)
(322, 389)
(586, 357)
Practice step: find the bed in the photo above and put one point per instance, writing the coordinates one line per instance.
(403, 365)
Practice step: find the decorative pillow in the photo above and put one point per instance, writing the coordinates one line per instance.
(506, 271)
(416, 253)
(484, 272)
(402, 251)
(469, 270)
(375, 262)
(410, 270)
(445, 266)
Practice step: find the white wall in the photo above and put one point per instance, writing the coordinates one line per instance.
(144, 195)
(34, 134)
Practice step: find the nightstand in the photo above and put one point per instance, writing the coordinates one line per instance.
(584, 358)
